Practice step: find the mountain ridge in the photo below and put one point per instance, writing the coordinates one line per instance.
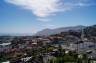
(46, 32)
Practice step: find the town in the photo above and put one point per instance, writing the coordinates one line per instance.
(64, 47)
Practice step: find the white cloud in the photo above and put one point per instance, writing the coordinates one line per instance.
(40, 8)
(51, 26)
(44, 8)
(43, 19)
(81, 4)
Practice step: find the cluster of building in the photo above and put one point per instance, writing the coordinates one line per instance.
(15, 45)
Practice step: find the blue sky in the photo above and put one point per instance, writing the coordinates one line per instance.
(30, 16)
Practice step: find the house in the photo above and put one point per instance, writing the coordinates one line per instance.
(4, 46)
(29, 47)
(6, 62)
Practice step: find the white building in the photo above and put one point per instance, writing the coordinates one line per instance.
(6, 62)
(4, 46)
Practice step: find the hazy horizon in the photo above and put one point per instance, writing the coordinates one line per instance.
(38, 30)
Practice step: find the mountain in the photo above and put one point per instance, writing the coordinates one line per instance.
(90, 31)
(46, 32)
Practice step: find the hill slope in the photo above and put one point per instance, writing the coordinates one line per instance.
(47, 32)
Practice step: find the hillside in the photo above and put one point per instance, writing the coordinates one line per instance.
(47, 32)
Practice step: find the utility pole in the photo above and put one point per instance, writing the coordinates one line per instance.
(82, 38)
(82, 34)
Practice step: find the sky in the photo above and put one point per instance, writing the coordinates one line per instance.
(30, 16)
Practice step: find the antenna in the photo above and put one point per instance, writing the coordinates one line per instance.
(82, 34)
(81, 40)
